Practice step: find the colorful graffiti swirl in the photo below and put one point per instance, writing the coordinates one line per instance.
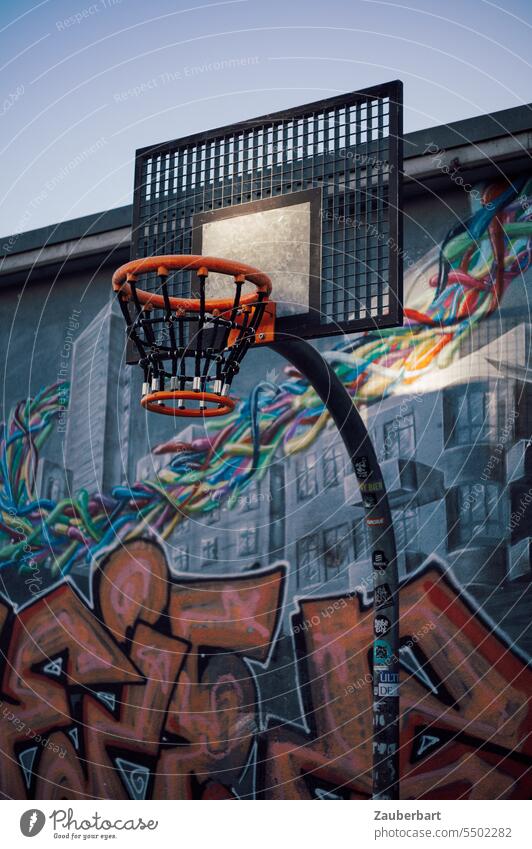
(478, 259)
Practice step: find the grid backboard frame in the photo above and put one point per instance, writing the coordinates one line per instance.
(348, 147)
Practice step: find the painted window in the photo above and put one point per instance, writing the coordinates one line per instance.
(470, 415)
(405, 527)
(53, 490)
(209, 549)
(309, 561)
(523, 410)
(399, 437)
(250, 497)
(360, 539)
(322, 556)
(248, 541)
(336, 550)
(475, 509)
(181, 559)
(332, 466)
(306, 476)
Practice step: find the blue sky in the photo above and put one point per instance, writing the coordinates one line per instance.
(86, 82)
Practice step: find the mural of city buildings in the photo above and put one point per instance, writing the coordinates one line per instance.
(455, 450)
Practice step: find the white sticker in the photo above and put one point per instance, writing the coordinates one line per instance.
(388, 690)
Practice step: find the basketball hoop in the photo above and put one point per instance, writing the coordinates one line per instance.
(169, 332)
(293, 184)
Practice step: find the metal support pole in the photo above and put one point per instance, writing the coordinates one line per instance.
(385, 655)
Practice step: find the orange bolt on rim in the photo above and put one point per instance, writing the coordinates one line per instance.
(222, 404)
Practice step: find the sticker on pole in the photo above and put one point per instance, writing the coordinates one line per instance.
(382, 653)
(362, 467)
(380, 561)
(387, 685)
(381, 625)
(373, 521)
(383, 596)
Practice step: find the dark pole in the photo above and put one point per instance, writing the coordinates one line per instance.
(385, 654)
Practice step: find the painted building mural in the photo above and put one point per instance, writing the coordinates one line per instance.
(188, 615)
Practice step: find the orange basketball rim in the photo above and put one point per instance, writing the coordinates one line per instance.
(190, 348)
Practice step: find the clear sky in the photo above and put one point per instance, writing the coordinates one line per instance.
(85, 83)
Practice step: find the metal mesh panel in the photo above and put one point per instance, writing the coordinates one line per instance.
(348, 147)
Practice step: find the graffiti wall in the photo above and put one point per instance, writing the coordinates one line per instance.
(189, 614)
(159, 689)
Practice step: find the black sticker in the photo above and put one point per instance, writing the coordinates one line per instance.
(380, 561)
(369, 499)
(362, 468)
(381, 625)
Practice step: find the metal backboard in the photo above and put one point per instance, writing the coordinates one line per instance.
(310, 195)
